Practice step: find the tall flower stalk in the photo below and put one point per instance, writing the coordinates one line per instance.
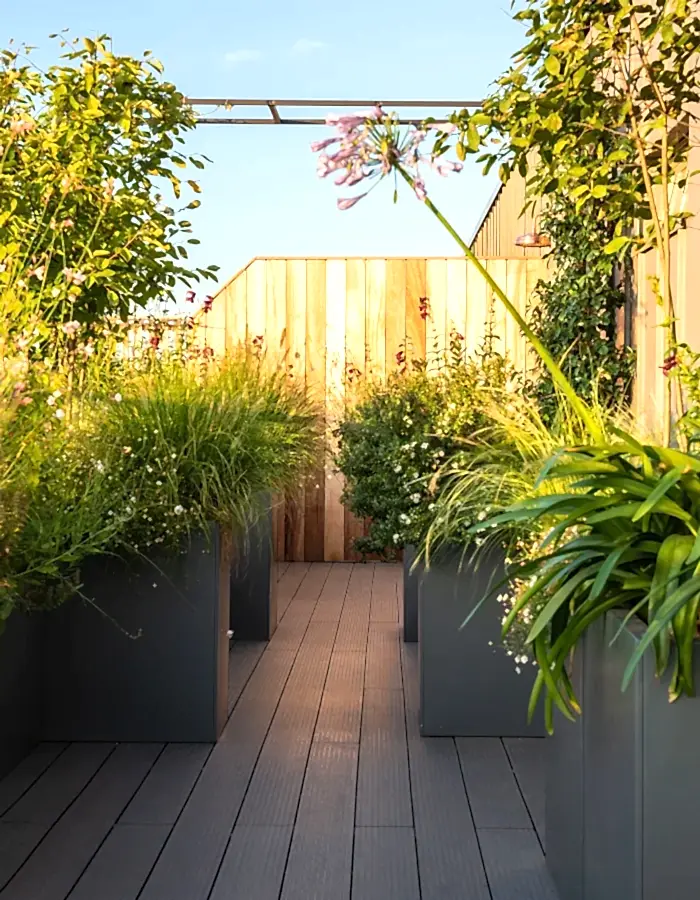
(372, 146)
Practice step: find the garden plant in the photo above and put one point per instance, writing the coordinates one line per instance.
(599, 97)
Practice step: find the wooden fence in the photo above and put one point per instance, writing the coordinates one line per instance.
(325, 318)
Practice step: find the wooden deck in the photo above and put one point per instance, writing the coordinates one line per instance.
(320, 787)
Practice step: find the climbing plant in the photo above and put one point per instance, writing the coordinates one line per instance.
(576, 310)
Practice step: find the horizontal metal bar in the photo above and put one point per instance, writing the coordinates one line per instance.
(417, 104)
(227, 121)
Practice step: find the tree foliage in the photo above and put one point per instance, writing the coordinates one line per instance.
(575, 311)
(86, 149)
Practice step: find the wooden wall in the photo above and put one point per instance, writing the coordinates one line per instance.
(504, 221)
(324, 318)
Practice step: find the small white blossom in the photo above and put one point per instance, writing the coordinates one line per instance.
(59, 414)
(397, 469)
(179, 510)
(117, 398)
(424, 445)
(51, 401)
(396, 538)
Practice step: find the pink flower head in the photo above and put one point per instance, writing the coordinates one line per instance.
(67, 223)
(39, 272)
(419, 188)
(208, 303)
(70, 328)
(348, 202)
(189, 296)
(321, 145)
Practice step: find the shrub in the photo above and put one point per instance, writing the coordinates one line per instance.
(398, 438)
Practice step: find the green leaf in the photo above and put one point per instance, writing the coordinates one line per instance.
(552, 65)
(616, 245)
(662, 488)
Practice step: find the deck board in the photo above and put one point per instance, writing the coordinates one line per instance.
(527, 759)
(119, 869)
(320, 861)
(68, 848)
(494, 795)
(320, 788)
(385, 866)
(23, 776)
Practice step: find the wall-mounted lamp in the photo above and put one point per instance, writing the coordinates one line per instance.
(533, 240)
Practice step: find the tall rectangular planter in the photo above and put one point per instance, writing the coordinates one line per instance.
(467, 687)
(411, 580)
(641, 798)
(254, 583)
(564, 798)
(147, 659)
(20, 688)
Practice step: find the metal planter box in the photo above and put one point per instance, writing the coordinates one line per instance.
(638, 777)
(468, 688)
(254, 583)
(20, 688)
(411, 580)
(147, 660)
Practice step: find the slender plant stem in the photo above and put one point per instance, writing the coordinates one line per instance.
(558, 376)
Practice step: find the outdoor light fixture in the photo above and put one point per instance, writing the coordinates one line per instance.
(533, 240)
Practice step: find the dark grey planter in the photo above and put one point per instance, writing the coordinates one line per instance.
(254, 583)
(564, 798)
(20, 688)
(641, 799)
(468, 688)
(170, 682)
(411, 579)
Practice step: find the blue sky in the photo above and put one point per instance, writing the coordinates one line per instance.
(261, 196)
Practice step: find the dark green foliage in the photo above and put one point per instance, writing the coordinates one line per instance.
(575, 313)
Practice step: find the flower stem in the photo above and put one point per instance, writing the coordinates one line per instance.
(559, 378)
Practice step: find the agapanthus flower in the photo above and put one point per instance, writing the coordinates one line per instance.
(368, 147)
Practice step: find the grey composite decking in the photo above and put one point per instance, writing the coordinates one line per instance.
(321, 787)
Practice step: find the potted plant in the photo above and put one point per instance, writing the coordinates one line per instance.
(194, 451)
(393, 445)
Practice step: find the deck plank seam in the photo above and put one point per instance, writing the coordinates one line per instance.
(471, 814)
(121, 813)
(522, 794)
(37, 777)
(359, 737)
(408, 759)
(48, 831)
(313, 731)
(267, 731)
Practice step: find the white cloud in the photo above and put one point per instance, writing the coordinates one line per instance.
(306, 45)
(242, 56)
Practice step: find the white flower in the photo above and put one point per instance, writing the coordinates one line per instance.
(179, 510)
(100, 466)
(126, 450)
(481, 516)
(396, 538)
(57, 394)
(149, 469)
(159, 483)
(424, 445)
(117, 398)
(397, 469)
(415, 498)
(128, 510)
(59, 414)
(51, 401)
(405, 519)
(441, 453)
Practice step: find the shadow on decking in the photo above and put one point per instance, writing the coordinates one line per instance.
(320, 787)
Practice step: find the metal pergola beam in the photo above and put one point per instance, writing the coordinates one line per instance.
(273, 106)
